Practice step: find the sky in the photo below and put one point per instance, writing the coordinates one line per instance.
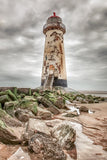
(22, 41)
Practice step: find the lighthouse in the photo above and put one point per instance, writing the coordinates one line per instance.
(54, 68)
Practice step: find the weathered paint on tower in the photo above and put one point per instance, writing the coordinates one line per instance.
(54, 69)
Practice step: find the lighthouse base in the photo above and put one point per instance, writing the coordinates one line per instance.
(60, 82)
(56, 82)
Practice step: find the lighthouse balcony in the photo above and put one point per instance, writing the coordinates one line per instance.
(51, 26)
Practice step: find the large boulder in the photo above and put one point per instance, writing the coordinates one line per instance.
(65, 134)
(23, 115)
(10, 121)
(37, 125)
(44, 144)
(9, 135)
(33, 126)
(60, 103)
(43, 113)
(52, 108)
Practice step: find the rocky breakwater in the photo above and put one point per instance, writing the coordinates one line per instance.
(23, 122)
(29, 124)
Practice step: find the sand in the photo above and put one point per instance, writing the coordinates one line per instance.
(95, 125)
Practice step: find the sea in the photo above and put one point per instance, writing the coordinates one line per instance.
(98, 95)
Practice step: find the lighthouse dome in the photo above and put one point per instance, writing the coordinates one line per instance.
(54, 22)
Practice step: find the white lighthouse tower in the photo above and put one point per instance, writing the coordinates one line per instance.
(54, 69)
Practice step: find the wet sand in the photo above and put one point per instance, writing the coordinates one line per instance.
(95, 125)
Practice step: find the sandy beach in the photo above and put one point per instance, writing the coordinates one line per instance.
(95, 124)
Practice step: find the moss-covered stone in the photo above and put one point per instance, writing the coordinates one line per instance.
(4, 98)
(30, 98)
(36, 94)
(15, 91)
(8, 135)
(2, 124)
(26, 104)
(9, 107)
(8, 120)
(54, 98)
(29, 92)
(22, 95)
(9, 93)
(102, 99)
(19, 97)
(2, 113)
(49, 105)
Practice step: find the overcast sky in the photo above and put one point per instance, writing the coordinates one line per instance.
(22, 41)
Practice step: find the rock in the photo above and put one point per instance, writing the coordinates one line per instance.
(10, 121)
(90, 101)
(10, 94)
(20, 155)
(71, 114)
(65, 134)
(36, 94)
(52, 108)
(30, 92)
(83, 109)
(26, 104)
(8, 135)
(83, 101)
(55, 99)
(0, 105)
(22, 95)
(43, 144)
(23, 115)
(4, 98)
(15, 91)
(37, 125)
(30, 98)
(9, 107)
(96, 101)
(60, 103)
(43, 113)
(34, 126)
(76, 102)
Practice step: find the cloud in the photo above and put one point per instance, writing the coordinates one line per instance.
(22, 41)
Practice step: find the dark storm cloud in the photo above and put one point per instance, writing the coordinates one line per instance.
(22, 41)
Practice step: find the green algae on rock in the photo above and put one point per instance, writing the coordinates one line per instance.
(9, 93)
(4, 98)
(26, 104)
(2, 124)
(10, 121)
(52, 108)
(9, 107)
